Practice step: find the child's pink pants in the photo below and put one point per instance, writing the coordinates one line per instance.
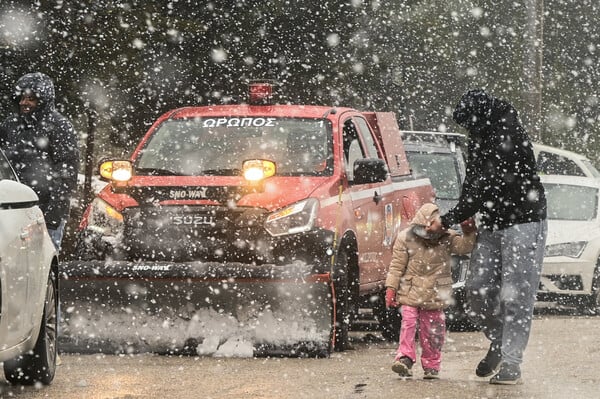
(432, 331)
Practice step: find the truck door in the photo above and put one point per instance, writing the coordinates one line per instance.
(368, 201)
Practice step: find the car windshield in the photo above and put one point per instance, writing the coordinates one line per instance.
(218, 146)
(571, 202)
(6, 171)
(441, 169)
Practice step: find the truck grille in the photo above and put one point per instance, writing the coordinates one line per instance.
(184, 233)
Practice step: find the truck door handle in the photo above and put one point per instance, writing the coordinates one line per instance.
(377, 198)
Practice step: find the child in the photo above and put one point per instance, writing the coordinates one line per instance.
(419, 279)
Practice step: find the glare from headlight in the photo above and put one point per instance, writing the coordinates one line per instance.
(570, 249)
(104, 218)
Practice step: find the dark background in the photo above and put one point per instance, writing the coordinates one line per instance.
(133, 60)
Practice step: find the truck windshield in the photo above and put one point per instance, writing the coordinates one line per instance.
(218, 146)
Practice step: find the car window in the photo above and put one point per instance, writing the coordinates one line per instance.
(591, 168)
(570, 202)
(6, 171)
(366, 134)
(441, 169)
(353, 148)
(554, 164)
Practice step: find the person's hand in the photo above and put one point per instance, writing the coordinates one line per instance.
(390, 298)
(468, 226)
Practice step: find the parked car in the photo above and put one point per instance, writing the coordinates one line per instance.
(571, 269)
(28, 285)
(556, 161)
(440, 157)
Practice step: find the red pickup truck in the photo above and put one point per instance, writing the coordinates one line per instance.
(281, 217)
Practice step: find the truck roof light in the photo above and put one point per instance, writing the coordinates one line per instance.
(260, 92)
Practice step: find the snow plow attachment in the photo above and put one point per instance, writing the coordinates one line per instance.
(203, 308)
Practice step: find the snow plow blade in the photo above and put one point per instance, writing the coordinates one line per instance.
(196, 308)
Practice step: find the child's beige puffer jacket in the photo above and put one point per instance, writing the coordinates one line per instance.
(420, 268)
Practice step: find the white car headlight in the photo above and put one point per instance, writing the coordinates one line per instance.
(104, 219)
(570, 249)
(296, 218)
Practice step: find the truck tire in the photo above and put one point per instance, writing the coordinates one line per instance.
(39, 365)
(346, 301)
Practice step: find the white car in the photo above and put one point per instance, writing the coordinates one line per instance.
(28, 285)
(556, 161)
(571, 269)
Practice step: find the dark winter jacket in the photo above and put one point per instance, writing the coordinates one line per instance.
(43, 149)
(501, 182)
(420, 270)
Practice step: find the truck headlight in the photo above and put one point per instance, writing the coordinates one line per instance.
(570, 249)
(104, 219)
(296, 218)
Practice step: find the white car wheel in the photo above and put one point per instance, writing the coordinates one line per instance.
(594, 300)
(39, 365)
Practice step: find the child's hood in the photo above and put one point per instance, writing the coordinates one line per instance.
(425, 214)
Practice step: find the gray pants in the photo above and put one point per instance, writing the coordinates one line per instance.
(57, 234)
(503, 280)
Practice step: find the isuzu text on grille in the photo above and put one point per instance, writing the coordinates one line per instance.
(193, 220)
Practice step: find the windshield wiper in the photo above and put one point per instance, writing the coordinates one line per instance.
(221, 172)
(157, 172)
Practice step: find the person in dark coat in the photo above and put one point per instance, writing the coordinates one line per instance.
(42, 147)
(501, 186)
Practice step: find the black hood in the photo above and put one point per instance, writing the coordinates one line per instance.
(477, 110)
(473, 109)
(41, 86)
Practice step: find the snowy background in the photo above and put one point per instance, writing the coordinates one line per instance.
(133, 60)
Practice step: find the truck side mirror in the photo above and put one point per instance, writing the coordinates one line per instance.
(370, 170)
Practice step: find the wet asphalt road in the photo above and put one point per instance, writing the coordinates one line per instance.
(562, 361)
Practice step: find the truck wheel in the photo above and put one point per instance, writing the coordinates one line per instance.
(38, 365)
(345, 308)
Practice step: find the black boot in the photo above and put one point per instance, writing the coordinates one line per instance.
(509, 374)
(490, 363)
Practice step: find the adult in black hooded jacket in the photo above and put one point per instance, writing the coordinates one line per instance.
(42, 147)
(503, 188)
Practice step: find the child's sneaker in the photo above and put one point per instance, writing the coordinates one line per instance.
(403, 366)
(431, 374)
